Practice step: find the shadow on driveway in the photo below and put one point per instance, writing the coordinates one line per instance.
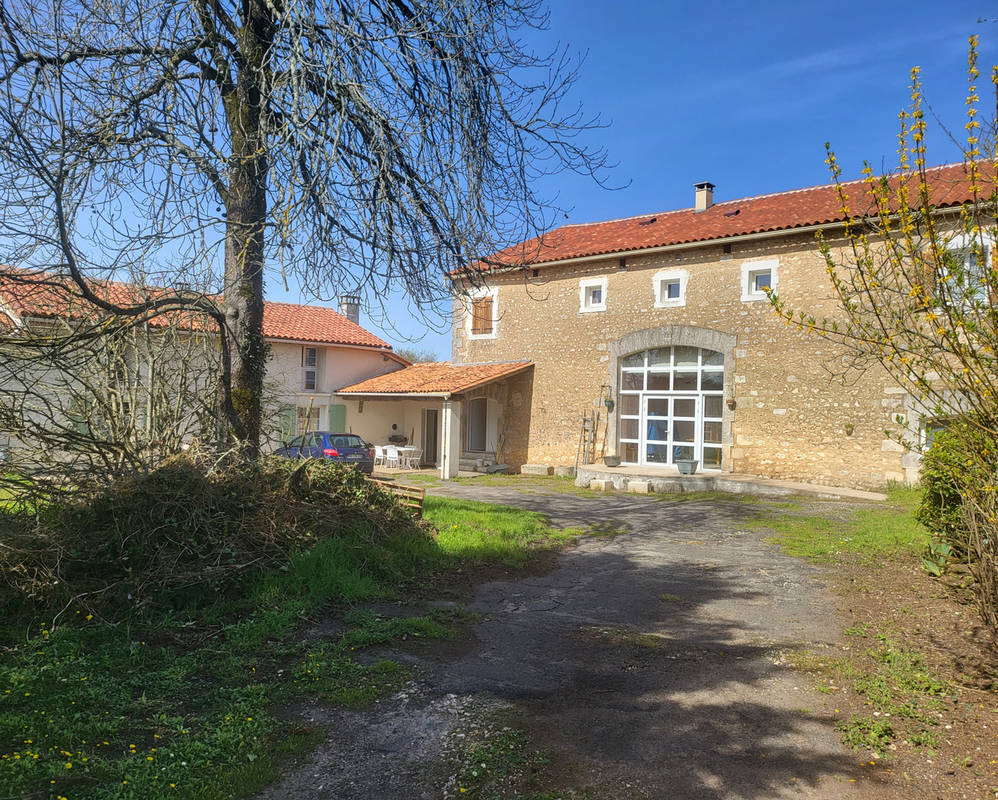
(649, 665)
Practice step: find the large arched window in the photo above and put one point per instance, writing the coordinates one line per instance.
(671, 404)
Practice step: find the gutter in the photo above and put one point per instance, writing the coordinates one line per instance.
(399, 395)
(666, 248)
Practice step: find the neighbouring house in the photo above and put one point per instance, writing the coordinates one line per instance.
(664, 320)
(314, 351)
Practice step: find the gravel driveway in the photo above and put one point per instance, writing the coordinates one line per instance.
(650, 664)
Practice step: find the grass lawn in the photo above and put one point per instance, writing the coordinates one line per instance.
(870, 534)
(896, 679)
(185, 706)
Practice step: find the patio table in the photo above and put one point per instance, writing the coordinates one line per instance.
(408, 456)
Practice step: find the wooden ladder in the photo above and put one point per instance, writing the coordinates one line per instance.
(586, 451)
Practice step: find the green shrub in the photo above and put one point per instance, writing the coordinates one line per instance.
(960, 507)
(944, 470)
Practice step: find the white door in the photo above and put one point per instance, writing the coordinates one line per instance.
(477, 424)
(671, 406)
(670, 427)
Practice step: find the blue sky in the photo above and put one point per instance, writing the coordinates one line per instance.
(745, 95)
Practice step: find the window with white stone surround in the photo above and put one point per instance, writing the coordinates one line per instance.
(592, 295)
(669, 287)
(757, 277)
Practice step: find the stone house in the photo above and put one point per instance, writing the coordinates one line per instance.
(664, 320)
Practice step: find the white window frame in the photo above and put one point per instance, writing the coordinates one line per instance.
(928, 429)
(670, 276)
(307, 368)
(469, 318)
(752, 268)
(963, 244)
(585, 285)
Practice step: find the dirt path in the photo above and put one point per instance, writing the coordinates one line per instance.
(650, 665)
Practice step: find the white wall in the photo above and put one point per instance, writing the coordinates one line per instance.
(374, 422)
(337, 367)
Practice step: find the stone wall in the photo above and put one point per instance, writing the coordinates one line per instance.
(794, 417)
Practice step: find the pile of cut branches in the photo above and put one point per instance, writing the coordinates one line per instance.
(184, 533)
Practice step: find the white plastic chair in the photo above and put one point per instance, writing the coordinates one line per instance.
(412, 457)
(379, 455)
(392, 457)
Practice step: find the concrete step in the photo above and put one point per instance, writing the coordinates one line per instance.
(469, 461)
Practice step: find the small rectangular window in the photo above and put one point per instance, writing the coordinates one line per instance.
(669, 287)
(481, 316)
(969, 283)
(758, 277)
(308, 420)
(930, 429)
(592, 294)
(761, 281)
(310, 370)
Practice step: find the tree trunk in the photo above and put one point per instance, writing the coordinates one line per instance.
(246, 214)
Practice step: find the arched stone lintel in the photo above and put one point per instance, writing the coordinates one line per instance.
(672, 335)
(675, 336)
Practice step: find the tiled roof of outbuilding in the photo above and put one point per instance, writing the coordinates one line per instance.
(783, 211)
(437, 378)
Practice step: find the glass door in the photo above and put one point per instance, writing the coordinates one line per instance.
(685, 442)
(656, 430)
(670, 427)
(671, 407)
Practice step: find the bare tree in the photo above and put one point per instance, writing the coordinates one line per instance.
(417, 355)
(84, 400)
(372, 146)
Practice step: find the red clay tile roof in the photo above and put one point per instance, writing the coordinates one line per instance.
(436, 378)
(35, 295)
(315, 324)
(783, 211)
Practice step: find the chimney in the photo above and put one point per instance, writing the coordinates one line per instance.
(350, 307)
(704, 195)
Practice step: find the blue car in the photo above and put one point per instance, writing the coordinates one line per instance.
(347, 448)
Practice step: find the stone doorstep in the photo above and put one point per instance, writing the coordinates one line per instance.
(639, 487)
(623, 478)
(564, 472)
(535, 469)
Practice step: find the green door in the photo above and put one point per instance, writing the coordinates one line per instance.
(338, 419)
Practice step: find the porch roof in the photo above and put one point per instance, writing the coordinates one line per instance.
(435, 379)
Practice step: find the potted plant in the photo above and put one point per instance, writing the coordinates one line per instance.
(611, 461)
(687, 466)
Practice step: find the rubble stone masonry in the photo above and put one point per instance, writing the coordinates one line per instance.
(794, 416)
